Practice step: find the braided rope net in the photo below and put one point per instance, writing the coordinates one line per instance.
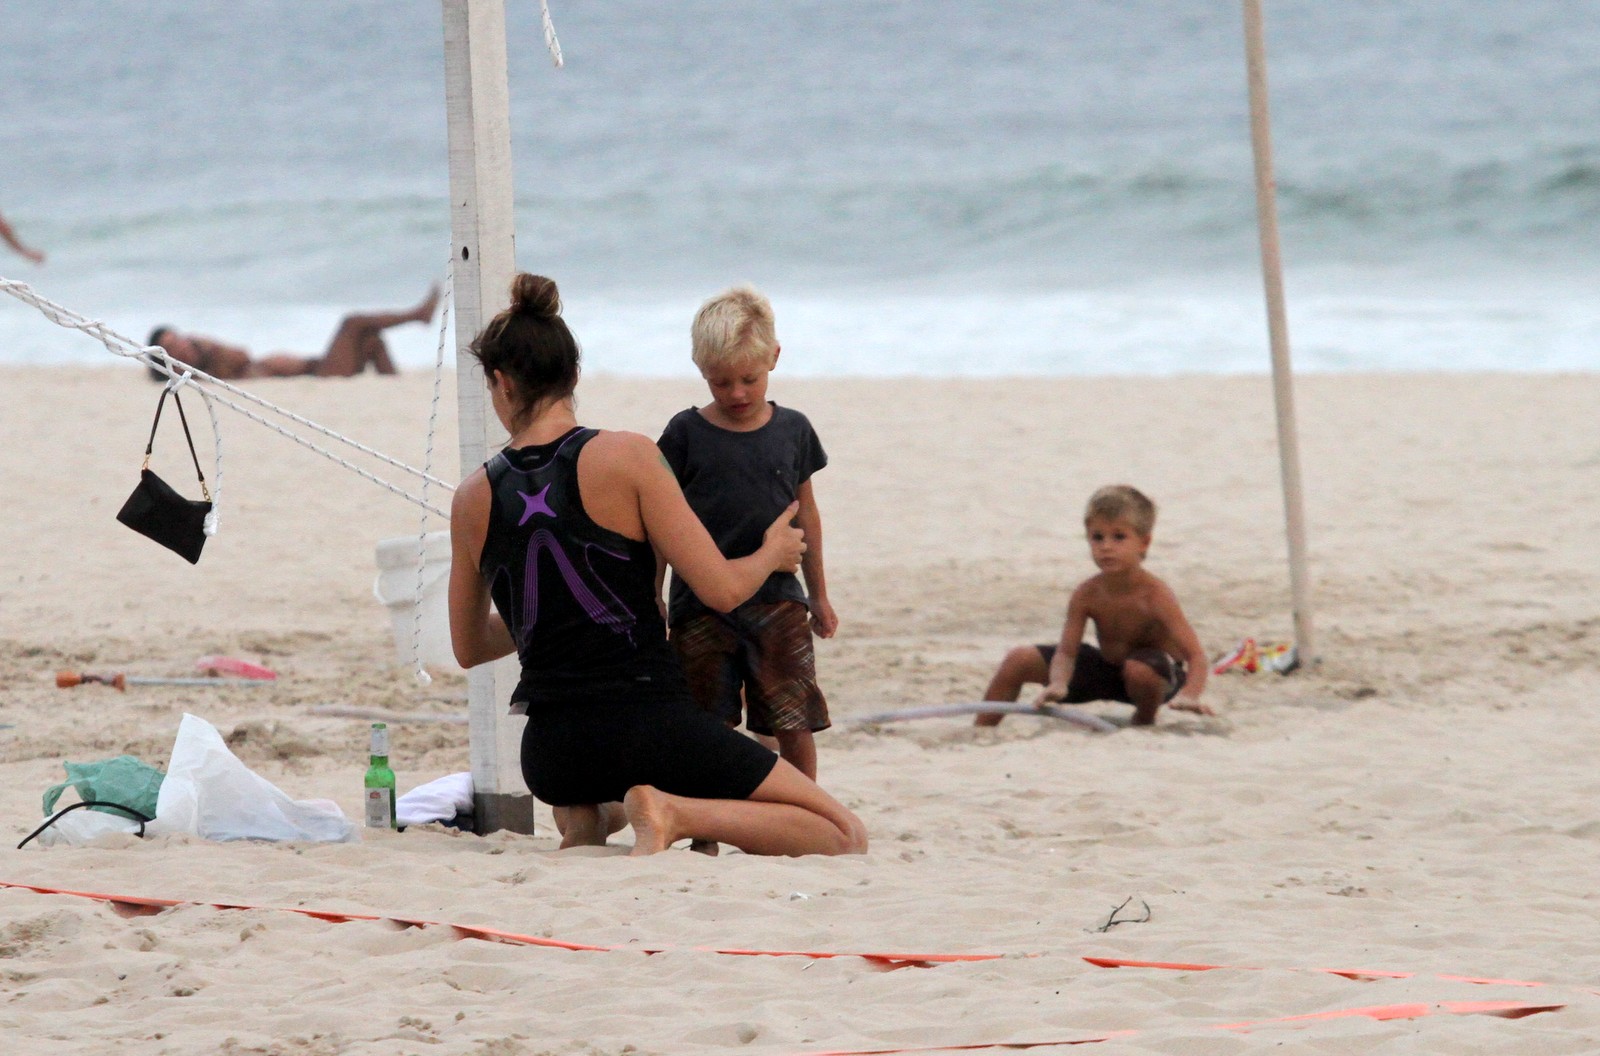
(214, 390)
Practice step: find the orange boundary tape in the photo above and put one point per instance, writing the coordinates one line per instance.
(140, 905)
(1358, 974)
(1504, 1009)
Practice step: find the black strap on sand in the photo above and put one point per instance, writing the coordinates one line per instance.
(141, 818)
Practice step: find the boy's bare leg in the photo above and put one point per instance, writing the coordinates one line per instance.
(1022, 664)
(358, 339)
(588, 825)
(799, 747)
(787, 814)
(1146, 689)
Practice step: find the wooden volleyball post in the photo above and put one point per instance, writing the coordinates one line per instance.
(1278, 331)
(482, 228)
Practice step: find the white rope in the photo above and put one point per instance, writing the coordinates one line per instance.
(213, 515)
(423, 678)
(176, 379)
(157, 357)
(161, 363)
(550, 40)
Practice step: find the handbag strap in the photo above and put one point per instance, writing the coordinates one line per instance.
(150, 445)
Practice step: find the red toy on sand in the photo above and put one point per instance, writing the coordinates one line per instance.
(1248, 657)
(229, 665)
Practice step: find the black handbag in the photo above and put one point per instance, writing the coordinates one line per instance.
(156, 511)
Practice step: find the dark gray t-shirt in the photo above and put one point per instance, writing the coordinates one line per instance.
(738, 483)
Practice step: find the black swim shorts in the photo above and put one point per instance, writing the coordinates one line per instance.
(1096, 678)
(577, 751)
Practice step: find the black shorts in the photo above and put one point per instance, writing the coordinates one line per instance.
(577, 751)
(1096, 678)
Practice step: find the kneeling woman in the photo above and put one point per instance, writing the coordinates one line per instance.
(560, 531)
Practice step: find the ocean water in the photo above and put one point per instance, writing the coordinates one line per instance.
(937, 187)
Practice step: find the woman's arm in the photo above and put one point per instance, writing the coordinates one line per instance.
(661, 582)
(477, 634)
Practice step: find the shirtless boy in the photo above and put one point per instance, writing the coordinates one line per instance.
(1148, 654)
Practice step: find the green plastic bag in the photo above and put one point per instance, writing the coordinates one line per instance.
(123, 780)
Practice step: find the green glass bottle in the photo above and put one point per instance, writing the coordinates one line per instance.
(380, 781)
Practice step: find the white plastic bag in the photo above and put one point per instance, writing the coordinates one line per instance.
(82, 826)
(208, 792)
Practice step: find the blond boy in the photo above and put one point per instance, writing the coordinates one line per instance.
(740, 458)
(1148, 655)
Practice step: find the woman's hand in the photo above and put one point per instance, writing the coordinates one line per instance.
(783, 542)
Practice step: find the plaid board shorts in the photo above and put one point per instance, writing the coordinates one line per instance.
(756, 660)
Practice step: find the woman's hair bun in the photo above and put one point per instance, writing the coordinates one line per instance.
(535, 295)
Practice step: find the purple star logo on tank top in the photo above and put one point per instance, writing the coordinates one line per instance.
(532, 504)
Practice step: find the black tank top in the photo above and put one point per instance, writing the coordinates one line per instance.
(578, 599)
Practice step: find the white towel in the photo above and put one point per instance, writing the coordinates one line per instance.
(439, 800)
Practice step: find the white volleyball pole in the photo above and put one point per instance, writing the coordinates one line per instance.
(1278, 330)
(478, 106)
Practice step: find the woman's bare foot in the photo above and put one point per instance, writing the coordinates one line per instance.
(581, 826)
(424, 311)
(649, 812)
(588, 826)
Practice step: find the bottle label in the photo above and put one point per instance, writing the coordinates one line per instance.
(380, 740)
(378, 807)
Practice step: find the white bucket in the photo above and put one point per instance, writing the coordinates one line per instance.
(396, 588)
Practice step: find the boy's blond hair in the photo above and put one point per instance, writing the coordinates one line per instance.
(1122, 502)
(735, 326)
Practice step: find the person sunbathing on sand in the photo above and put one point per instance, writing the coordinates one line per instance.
(8, 235)
(559, 533)
(356, 344)
(1148, 654)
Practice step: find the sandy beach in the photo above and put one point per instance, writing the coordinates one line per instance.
(1420, 803)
